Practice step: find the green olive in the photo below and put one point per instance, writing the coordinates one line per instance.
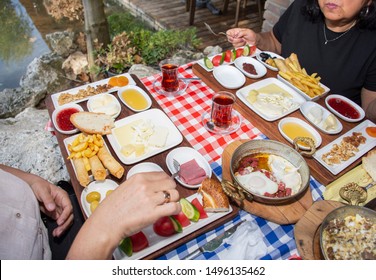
(93, 196)
(94, 205)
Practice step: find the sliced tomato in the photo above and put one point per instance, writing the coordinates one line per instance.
(228, 56)
(216, 60)
(182, 219)
(196, 203)
(164, 227)
(252, 50)
(139, 241)
(239, 52)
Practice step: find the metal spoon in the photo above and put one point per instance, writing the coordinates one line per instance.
(211, 30)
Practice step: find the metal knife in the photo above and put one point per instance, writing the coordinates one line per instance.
(213, 244)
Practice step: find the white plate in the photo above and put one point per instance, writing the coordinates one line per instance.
(69, 140)
(55, 97)
(99, 186)
(260, 69)
(143, 167)
(273, 55)
(229, 77)
(309, 105)
(185, 154)
(202, 64)
(58, 110)
(141, 91)
(348, 101)
(296, 97)
(113, 105)
(307, 97)
(303, 124)
(158, 118)
(363, 148)
(157, 242)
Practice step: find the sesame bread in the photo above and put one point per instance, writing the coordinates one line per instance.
(369, 164)
(92, 123)
(213, 197)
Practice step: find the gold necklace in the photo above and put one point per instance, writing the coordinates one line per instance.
(343, 34)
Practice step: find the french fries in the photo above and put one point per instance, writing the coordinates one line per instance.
(291, 70)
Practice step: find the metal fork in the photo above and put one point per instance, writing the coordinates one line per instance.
(211, 30)
(176, 167)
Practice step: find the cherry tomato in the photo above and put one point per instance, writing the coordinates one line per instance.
(164, 227)
(217, 60)
(182, 219)
(195, 202)
(139, 241)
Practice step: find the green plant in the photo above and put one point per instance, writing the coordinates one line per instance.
(120, 22)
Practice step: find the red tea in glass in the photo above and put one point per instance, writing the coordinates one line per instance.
(170, 81)
(221, 112)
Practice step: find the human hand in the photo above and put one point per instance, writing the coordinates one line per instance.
(137, 203)
(239, 37)
(55, 203)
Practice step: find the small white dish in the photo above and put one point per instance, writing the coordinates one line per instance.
(343, 106)
(207, 122)
(144, 97)
(104, 103)
(272, 55)
(317, 138)
(157, 86)
(320, 122)
(56, 114)
(185, 154)
(143, 167)
(99, 186)
(229, 77)
(306, 96)
(260, 69)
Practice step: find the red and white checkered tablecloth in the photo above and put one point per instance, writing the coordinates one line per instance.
(186, 111)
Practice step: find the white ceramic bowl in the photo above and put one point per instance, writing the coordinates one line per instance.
(104, 103)
(56, 112)
(143, 167)
(351, 103)
(260, 69)
(139, 90)
(317, 138)
(273, 55)
(229, 76)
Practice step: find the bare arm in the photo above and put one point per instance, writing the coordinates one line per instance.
(53, 200)
(369, 103)
(265, 41)
(135, 204)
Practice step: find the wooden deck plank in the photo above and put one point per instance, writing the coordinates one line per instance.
(171, 14)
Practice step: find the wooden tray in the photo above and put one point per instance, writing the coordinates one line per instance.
(307, 230)
(280, 214)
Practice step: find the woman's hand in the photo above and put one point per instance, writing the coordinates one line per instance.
(239, 37)
(55, 203)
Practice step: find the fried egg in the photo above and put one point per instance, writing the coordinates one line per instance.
(285, 172)
(256, 182)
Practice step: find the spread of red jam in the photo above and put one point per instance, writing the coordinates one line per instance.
(248, 67)
(63, 119)
(344, 108)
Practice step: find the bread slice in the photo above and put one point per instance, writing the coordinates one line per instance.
(213, 197)
(92, 123)
(369, 164)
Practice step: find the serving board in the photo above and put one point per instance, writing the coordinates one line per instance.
(281, 214)
(307, 229)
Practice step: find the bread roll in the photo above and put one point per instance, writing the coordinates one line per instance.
(369, 164)
(110, 163)
(81, 173)
(92, 123)
(97, 168)
(213, 197)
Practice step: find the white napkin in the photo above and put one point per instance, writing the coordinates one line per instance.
(246, 243)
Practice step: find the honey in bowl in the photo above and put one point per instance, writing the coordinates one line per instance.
(134, 99)
(293, 130)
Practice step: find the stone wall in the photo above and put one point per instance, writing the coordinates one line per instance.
(273, 10)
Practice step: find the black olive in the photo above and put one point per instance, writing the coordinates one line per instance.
(264, 56)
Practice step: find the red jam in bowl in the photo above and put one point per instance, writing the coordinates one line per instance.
(63, 119)
(344, 108)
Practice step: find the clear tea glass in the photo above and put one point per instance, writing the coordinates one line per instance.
(170, 80)
(221, 111)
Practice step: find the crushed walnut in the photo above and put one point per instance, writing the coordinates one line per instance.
(65, 98)
(345, 149)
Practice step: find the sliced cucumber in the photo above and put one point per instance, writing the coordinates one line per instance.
(177, 225)
(233, 55)
(246, 50)
(207, 62)
(126, 246)
(189, 210)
